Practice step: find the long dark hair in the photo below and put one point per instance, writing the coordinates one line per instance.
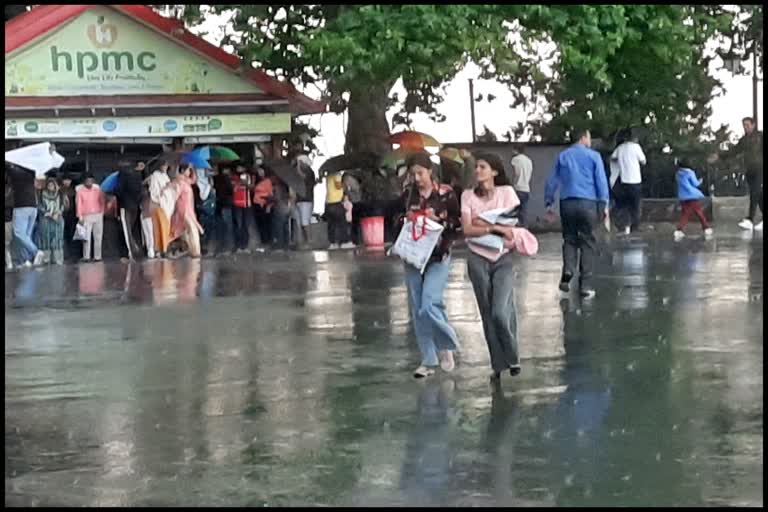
(497, 165)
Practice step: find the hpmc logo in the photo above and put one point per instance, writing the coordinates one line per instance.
(102, 35)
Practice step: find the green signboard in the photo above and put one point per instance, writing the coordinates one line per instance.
(150, 126)
(104, 52)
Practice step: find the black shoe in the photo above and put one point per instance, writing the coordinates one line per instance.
(514, 370)
(564, 286)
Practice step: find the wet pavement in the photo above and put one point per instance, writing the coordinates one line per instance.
(285, 380)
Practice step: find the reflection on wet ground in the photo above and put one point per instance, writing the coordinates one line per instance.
(285, 380)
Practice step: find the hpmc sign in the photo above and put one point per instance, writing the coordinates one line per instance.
(105, 52)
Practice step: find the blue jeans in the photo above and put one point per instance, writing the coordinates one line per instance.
(23, 227)
(425, 296)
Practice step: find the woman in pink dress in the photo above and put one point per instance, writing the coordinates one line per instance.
(184, 222)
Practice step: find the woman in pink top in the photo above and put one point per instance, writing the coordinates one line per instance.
(491, 272)
(184, 222)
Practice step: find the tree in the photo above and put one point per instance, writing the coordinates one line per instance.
(611, 65)
(659, 80)
(356, 53)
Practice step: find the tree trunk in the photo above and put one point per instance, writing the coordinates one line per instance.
(367, 127)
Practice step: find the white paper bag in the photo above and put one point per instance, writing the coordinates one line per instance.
(417, 252)
(81, 232)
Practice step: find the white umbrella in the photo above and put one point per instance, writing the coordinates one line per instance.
(39, 158)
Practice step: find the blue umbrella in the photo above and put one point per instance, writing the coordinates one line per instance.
(204, 152)
(110, 182)
(195, 160)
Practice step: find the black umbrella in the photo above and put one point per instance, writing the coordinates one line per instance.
(290, 175)
(348, 162)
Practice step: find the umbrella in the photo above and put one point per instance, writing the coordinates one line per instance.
(288, 173)
(39, 158)
(413, 140)
(347, 162)
(110, 182)
(195, 160)
(222, 154)
(451, 154)
(397, 157)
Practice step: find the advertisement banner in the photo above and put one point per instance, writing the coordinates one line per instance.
(149, 126)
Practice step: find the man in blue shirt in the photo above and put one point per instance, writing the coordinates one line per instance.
(580, 175)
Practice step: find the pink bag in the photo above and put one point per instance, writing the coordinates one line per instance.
(524, 243)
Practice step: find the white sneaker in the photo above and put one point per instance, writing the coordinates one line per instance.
(708, 233)
(679, 235)
(759, 226)
(27, 263)
(423, 371)
(9, 265)
(348, 245)
(446, 360)
(333, 247)
(746, 224)
(39, 258)
(627, 230)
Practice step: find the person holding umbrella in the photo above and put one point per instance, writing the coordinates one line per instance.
(184, 223)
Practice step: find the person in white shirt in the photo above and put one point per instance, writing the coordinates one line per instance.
(625, 168)
(522, 168)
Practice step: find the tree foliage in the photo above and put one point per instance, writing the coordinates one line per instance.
(610, 66)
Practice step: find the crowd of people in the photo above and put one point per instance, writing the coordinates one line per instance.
(171, 211)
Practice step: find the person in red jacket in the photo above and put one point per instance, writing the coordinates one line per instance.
(241, 206)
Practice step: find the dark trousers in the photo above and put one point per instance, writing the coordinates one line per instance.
(73, 249)
(224, 229)
(130, 221)
(240, 221)
(493, 283)
(338, 227)
(691, 207)
(628, 204)
(281, 218)
(755, 182)
(523, 196)
(578, 218)
(263, 224)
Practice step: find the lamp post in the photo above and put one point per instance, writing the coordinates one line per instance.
(472, 108)
(754, 83)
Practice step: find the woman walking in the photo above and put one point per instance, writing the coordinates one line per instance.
(51, 214)
(184, 222)
(491, 271)
(161, 224)
(436, 338)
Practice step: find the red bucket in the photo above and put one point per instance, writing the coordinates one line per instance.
(373, 231)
